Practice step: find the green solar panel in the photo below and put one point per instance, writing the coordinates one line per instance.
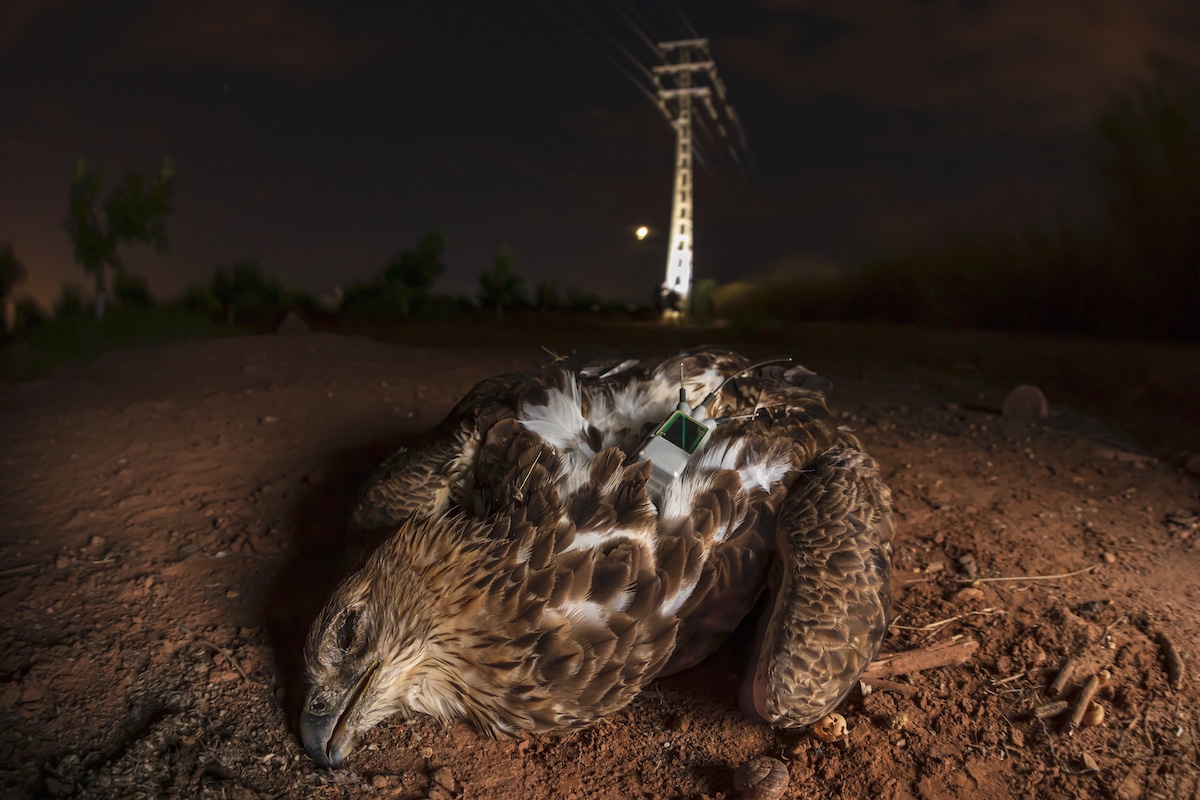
(682, 431)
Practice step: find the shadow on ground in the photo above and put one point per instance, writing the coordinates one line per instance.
(325, 547)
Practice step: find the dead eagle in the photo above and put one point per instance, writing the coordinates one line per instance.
(546, 565)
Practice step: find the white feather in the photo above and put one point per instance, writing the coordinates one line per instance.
(585, 614)
(560, 421)
(766, 473)
(595, 540)
(675, 602)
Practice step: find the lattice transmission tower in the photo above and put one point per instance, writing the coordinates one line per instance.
(678, 83)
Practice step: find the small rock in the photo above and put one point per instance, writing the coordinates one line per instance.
(293, 323)
(1110, 558)
(379, 781)
(1192, 464)
(1089, 763)
(97, 541)
(967, 594)
(32, 692)
(1026, 403)
(444, 778)
(9, 695)
(1132, 788)
(56, 788)
(968, 565)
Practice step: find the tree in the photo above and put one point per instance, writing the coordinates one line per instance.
(131, 292)
(501, 286)
(546, 296)
(703, 306)
(12, 272)
(244, 295)
(135, 211)
(70, 302)
(1151, 163)
(411, 274)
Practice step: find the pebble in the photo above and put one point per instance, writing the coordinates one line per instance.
(1026, 403)
(1192, 464)
(444, 778)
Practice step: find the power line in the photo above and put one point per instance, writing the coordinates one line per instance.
(629, 76)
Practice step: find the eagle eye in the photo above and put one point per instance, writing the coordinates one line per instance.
(347, 634)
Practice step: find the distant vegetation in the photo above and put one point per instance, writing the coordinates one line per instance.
(1137, 275)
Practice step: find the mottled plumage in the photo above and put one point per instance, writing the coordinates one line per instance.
(532, 584)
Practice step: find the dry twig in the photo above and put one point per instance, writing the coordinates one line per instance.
(1047, 710)
(1060, 680)
(1030, 577)
(4, 573)
(1086, 694)
(891, 687)
(233, 662)
(943, 654)
(1175, 671)
(933, 626)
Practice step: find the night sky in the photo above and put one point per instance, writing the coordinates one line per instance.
(323, 138)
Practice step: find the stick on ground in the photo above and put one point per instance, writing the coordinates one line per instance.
(1064, 675)
(1082, 702)
(943, 654)
(1175, 673)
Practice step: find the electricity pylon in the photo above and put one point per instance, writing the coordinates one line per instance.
(685, 58)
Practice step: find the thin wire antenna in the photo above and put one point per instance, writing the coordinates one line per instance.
(733, 375)
(682, 389)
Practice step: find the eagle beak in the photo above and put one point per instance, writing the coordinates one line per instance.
(329, 735)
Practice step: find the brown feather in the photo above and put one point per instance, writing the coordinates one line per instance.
(531, 583)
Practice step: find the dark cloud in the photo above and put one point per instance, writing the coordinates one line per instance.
(17, 17)
(269, 35)
(1024, 66)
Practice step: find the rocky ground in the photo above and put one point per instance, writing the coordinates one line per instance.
(174, 516)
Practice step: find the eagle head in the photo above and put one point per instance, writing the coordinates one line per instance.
(391, 639)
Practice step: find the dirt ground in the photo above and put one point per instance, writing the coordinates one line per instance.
(173, 517)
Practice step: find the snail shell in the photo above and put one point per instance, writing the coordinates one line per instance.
(830, 728)
(761, 779)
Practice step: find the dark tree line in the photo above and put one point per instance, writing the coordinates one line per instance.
(1138, 274)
